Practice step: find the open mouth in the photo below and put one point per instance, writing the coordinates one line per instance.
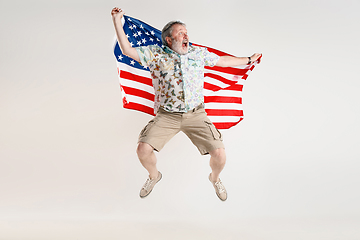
(185, 43)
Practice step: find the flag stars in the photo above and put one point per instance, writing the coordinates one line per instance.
(139, 33)
(151, 39)
(132, 62)
(135, 35)
(152, 33)
(134, 26)
(127, 35)
(120, 57)
(131, 44)
(141, 26)
(131, 27)
(138, 43)
(144, 41)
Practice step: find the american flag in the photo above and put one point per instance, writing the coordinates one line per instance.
(222, 86)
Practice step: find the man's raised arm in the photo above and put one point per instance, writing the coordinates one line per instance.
(124, 43)
(229, 61)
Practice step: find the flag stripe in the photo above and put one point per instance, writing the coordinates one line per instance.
(220, 78)
(224, 93)
(224, 112)
(225, 125)
(211, 87)
(140, 107)
(208, 99)
(235, 87)
(139, 93)
(232, 77)
(223, 119)
(134, 84)
(140, 100)
(134, 77)
(229, 70)
(220, 105)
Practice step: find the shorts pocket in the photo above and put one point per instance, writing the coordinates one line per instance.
(214, 131)
(146, 129)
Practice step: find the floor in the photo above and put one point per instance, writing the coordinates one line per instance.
(245, 229)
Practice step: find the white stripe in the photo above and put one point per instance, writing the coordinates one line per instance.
(221, 84)
(223, 93)
(224, 119)
(137, 85)
(139, 100)
(227, 106)
(216, 82)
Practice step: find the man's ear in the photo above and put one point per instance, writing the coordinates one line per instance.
(168, 41)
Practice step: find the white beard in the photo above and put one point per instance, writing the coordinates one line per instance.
(177, 47)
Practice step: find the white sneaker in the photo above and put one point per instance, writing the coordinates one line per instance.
(219, 188)
(149, 185)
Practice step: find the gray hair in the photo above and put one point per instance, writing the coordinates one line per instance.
(167, 31)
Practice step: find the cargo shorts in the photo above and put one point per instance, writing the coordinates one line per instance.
(195, 124)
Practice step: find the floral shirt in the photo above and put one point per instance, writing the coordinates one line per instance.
(178, 80)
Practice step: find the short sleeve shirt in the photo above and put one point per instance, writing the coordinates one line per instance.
(178, 80)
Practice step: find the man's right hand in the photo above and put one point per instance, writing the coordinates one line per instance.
(117, 13)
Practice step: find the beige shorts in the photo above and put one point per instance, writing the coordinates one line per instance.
(195, 124)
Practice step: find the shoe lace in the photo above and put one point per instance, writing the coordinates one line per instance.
(147, 184)
(220, 187)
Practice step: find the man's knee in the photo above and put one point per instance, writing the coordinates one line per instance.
(144, 149)
(219, 154)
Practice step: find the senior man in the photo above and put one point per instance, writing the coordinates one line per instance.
(177, 71)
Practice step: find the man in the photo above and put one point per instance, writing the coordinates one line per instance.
(177, 71)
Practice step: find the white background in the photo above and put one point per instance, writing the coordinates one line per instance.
(68, 167)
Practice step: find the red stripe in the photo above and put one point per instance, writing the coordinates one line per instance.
(211, 87)
(136, 78)
(229, 70)
(221, 99)
(139, 107)
(226, 125)
(224, 112)
(236, 87)
(222, 79)
(138, 93)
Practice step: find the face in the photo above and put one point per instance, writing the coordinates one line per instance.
(180, 40)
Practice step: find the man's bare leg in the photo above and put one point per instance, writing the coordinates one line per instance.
(147, 158)
(217, 163)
